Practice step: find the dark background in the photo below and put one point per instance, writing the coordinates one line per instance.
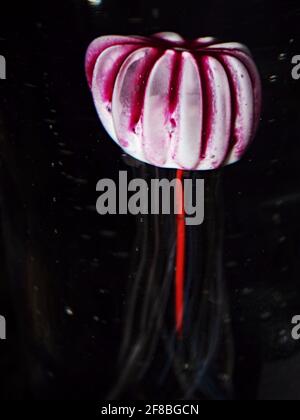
(64, 269)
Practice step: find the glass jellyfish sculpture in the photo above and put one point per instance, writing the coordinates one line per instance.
(177, 104)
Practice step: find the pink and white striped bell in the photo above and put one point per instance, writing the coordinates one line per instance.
(173, 103)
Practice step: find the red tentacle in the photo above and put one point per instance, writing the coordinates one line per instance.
(180, 258)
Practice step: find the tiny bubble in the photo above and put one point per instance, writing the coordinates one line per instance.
(69, 311)
(265, 316)
(103, 292)
(273, 78)
(282, 239)
(282, 57)
(247, 291)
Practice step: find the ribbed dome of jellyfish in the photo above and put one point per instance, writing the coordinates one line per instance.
(174, 103)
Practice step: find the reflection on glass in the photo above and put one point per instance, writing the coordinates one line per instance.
(95, 2)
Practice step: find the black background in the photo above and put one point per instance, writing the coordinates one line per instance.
(59, 258)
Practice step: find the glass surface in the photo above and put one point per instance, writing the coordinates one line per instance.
(68, 277)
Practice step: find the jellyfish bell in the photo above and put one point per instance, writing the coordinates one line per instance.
(173, 103)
